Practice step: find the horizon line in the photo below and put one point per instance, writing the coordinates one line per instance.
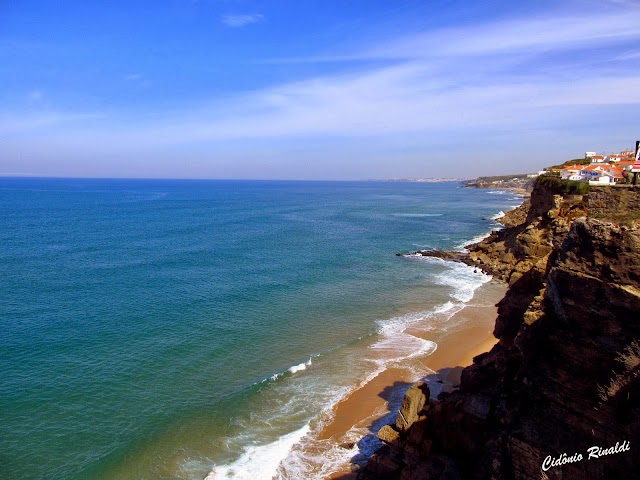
(408, 180)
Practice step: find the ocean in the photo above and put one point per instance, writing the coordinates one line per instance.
(191, 329)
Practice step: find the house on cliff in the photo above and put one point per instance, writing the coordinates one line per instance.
(616, 157)
(625, 165)
(605, 178)
(597, 174)
(571, 172)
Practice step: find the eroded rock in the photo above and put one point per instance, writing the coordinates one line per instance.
(412, 405)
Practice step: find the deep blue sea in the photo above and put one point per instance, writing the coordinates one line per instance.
(173, 329)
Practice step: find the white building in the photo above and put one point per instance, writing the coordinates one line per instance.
(602, 179)
(572, 173)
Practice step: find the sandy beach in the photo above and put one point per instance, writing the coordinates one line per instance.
(468, 333)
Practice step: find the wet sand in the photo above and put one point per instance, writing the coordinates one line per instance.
(467, 334)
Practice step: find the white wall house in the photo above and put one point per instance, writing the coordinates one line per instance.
(599, 174)
(571, 173)
(602, 179)
(589, 173)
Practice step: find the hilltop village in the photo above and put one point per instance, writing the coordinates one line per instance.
(599, 169)
(594, 169)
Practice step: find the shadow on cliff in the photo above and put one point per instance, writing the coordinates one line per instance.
(444, 380)
(392, 395)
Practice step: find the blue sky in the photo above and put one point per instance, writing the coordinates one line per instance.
(314, 89)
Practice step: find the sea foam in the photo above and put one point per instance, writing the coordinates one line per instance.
(300, 367)
(478, 238)
(294, 369)
(259, 462)
(498, 215)
(464, 279)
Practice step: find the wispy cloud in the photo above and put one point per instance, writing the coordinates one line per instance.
(523, 36)
(510, 73)
(439, 79)
(237, 21)
(504, 37)
(400, 100)
(627, 56)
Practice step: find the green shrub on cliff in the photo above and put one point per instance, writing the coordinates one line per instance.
(560, 186)
(575, 161)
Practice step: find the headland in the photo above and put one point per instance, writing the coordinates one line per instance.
(564, 375)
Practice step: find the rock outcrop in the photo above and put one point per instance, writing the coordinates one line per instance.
(444, 255)
(564, 379)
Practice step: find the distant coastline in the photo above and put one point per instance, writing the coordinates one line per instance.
(427, 180)
(520, 183)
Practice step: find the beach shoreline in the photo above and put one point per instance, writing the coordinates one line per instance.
(468, 333)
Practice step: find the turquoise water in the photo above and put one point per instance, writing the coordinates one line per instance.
(161, 329)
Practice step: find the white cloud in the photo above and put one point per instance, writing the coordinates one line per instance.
(528, 36)
(627, 56)
(237, 21)
(448, 78)
(520, 35)
(490, 75)
(392, 101)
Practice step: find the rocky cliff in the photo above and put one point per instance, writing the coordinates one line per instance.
(558, 397)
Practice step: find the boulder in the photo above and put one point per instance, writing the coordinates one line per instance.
(412, 405)
(389, 435)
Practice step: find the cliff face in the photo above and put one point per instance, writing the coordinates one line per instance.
(565, 375)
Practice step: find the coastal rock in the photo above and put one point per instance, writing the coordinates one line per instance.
(515, 217)
(565, 375)
(412, 405)
(438, 467)
(444, 255)
(384, 464)
(389, 435)
(477, 405)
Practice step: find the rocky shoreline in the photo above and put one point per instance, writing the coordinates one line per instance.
(565, 374)
(482, 254)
